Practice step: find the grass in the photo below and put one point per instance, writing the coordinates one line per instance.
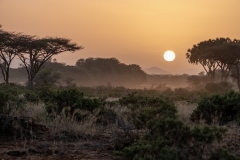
(185, 109)
(65, 132)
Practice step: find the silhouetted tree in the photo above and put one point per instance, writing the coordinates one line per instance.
(36, 52)
(197, 81)
(232, 58)
(47, 78)
(9, 45)
(225, 55)
(210, 56)
(110, 70)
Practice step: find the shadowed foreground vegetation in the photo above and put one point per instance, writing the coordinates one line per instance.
(81, 122)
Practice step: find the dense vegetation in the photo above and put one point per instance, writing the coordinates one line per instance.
(151, 113)
(218, 109)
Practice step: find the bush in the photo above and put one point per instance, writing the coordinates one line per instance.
(47, 78)
(222, 154)
(170, 139)
(218, 87)
(106, 116)
(31, 96)
(219, 108)
(144, 108)
(10, 98)
(72, 98)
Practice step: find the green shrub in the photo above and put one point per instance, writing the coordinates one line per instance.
(106, 116)
(219, 108)
(170, 139)
(218, 87)
(56, 101)
(31, 96)
(10, 98)
(144, 108)
(222, 154)
(47, 78)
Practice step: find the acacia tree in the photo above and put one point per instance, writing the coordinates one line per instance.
(225, 55)
(232, 58)
(35, 52)
(9, 46)
(209, 57)
(228, 56)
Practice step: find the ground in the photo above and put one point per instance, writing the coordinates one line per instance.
(39, 142)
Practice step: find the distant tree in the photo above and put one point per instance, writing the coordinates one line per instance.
(36, 52)
(69, 81)
(47, 78)
(80, 62)
(209, 56)
(9, 47)
(110, 70)
(218, 87)
(197, 81)
(201, 73)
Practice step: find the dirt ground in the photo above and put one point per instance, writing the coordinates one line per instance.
(40, 143)
(45, 147)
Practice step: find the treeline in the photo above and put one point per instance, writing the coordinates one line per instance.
(111, 71)
(87, 72)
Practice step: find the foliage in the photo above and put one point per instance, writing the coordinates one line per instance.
(184, 94)
(32, 96)
(229, 58)
(9, 45)
(219, 108)
(217, 54)
(46, 78)
(172, 81)
(144, 108)
(197, 82)
(222, 154)
(167, 138)
(218, 87)
(171, 139)
(207, 53)
(10, 98)
(110, 70)
(106, 116)
(164, 136)
(73, 99)
(161, 87)
(35, 52)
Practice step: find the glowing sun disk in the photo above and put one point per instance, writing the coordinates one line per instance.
(169, 55)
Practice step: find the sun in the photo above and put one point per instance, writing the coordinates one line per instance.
(169, 55)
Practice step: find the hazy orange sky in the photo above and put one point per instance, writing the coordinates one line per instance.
(133, 31)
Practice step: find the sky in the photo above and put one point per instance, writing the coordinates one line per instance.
(133, 31)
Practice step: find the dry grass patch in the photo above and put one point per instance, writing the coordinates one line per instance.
(185, 109)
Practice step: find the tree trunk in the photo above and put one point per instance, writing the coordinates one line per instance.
(7, 74)
(30, 81)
